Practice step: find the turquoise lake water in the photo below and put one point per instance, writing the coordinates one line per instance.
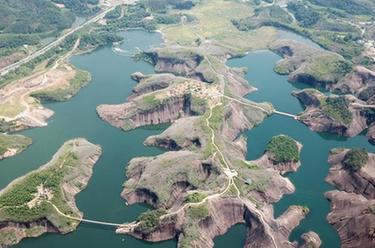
(101, 200)
(309, 179)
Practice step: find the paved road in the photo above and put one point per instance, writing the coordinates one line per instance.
(53, 44)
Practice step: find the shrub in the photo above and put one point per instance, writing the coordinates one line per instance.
(283, 149)
(338, 109)
(306, 16)
(149, 220)
(355, 159)
(195, 197)
(198, 213)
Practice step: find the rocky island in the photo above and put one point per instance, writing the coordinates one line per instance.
(44, 200)
(282, 153)
(352, 172)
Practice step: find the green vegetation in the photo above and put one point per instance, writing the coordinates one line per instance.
(215, 121)
(213, 21)
(243, 164)
(49, 56)
(198, 105)
(217, 117)
(80, 7)
(148, 101)
(304, 14)
(367, 93)
(305, 210)
(355, 159)
(114, 14)
(283, 149)
(195, 197)
(17, 142)
(162, 5)
(268, 16)
(33, 196)
(370, 115)
(81, 79)
(190, 229)
(198, 213)
(258, 184)
(231, 192)
(149, 220)
(14, 201)
(328, 68)
(372, 209)
(98, 39)
(147, 15)
(354, 7)
(6, 126)
(328, 26)
(28, 22)
(32, 16)
(337, 108)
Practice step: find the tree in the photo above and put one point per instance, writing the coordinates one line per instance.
(355, 159)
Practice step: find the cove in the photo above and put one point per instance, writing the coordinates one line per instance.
(101, 200)
(309, 179)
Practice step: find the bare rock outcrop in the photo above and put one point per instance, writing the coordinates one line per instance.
(146, 111)
(197, 226)
(360, 82)
(341, 115)
(153, 82)
(204, 185)
(306, 64)
(353, 217)
(310, 240)
(178, 60)
(268, 160)
(360, 182)
(172, 139)
(353, 207)
(165, 180)
(371, 133)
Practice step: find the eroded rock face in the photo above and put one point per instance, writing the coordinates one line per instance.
(129, 115)
(179, 171)
(359, 182)
(74, 179)
(283, 168)
(352, 219)
(371, 133)
(359, 82)
(182, 61)
(304, 64)
(353, 207)
(310, 240)
(320, 117)
(150, 83)
(222, 214)
(203, 186)
(172, 139)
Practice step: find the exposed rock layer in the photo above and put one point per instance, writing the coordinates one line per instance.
(319, 118)
(353, 208)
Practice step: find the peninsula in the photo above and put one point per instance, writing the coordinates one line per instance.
(43, 200)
